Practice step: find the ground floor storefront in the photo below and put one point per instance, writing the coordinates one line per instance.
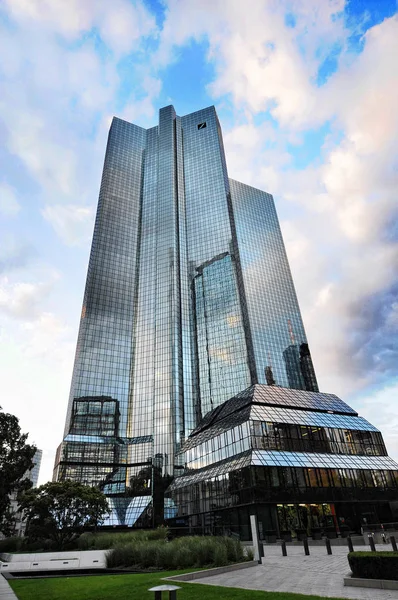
(290, 520)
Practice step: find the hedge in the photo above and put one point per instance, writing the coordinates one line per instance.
(87, 541)
(374, 565)
(180, 553)
(107, 540)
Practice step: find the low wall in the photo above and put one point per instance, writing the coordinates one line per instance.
(382, 584)
(47, 561)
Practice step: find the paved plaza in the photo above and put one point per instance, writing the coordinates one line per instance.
(317, 574)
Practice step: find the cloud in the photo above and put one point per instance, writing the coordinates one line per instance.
(73, 224)
(43, 352)
(379, 407)
(9, 205)
(22, 300)
(43, 334)
(120, 24)
(62, 80)
(259, 62)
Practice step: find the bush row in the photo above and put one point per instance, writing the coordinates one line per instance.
(87, 541)
(181, 553)
(24, 544)
(104, 541)
(374, 565)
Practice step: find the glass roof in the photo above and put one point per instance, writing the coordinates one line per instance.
(270, 458)
(271, 395)
(276, 414)
(276, 458)
(231, 464)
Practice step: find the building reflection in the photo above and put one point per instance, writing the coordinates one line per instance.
(189, 301)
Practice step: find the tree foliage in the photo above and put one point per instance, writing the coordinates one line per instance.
(16, 458)
(61, 511)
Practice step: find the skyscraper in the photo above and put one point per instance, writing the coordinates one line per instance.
(189, 300)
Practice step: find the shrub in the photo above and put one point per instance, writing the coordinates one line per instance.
(161, 533)
(181, 553)
(374, 565)
(86, 541)
(12, 544)
(220, 555)
(235, 551)
(105, 541)
(249, 554)
(164, 557)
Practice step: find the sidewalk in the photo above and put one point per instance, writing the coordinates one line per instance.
(6, 592)
(317, 574)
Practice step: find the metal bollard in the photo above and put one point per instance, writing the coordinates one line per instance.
(283, 545)
(393, 543)
(350, 545)
(306, 549)
(328, 546)
(172, 589)
(372, 542)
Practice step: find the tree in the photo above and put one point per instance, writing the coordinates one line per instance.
(16, 458)
(61, 511)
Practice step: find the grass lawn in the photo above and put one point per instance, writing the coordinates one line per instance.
(133, 587)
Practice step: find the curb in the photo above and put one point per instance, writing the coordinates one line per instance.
(211, 572)
(382, 584)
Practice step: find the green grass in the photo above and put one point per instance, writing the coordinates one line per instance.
(133, 587)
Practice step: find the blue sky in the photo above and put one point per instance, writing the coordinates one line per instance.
(306, 92)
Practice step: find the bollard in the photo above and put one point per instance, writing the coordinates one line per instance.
(284, 551)
(172, 589)
(393, 543)
(328, 546)
(306, 549)
(372, 542)
(350, 545)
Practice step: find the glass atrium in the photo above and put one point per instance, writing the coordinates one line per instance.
(299, 460)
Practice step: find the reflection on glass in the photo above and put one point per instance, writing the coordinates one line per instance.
(189, 301)
(272, 446)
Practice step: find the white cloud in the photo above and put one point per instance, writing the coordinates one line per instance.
(22, 300)
(141, 110)
(43, 334)
(73, 224)
(380, 408)
(36, 370)
(9, 205)
(259, 62)
(121, 23)
(55, 95)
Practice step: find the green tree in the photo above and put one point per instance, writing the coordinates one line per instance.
(61, 511)
(16, 458)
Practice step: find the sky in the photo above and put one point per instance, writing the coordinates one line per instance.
(307, 95)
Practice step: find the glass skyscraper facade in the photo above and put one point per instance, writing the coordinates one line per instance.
(303, 462)
(189, 300)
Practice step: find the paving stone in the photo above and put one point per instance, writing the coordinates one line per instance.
(318, 574)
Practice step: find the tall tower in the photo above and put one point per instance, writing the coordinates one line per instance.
(187, 298)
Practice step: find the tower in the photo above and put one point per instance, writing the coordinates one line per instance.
(187, 297)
